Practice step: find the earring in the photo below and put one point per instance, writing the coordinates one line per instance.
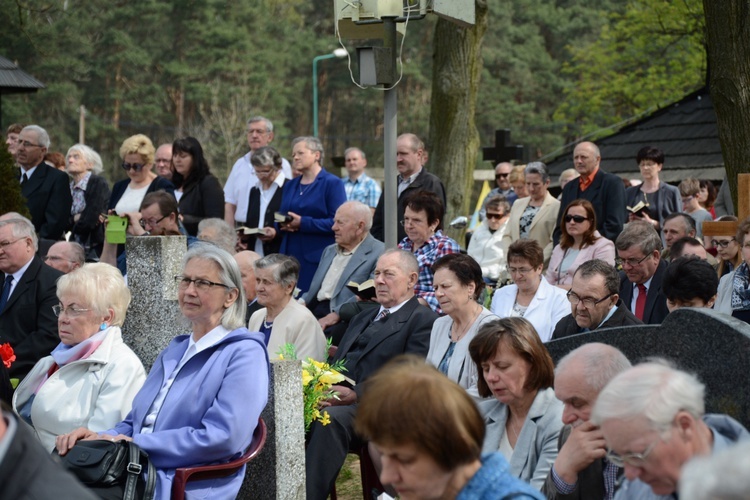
(102, 327)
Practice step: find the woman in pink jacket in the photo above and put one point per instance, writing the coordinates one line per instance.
(579, 242)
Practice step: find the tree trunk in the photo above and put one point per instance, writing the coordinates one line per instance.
(728, 38)
(454, 139)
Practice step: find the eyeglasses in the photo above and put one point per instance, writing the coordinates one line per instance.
(521, 271)
(71, 311)
(578, 219)
(413, 222)
(634, 459)
(722, 244)
(630, 262)
(588, 302)
(133, 166)
(28, 144)
(151, 222)
(159, 161)
(501, 176)
(263, 172)
(183, 282)
(495, 216)
(4, 244)
(687, 199)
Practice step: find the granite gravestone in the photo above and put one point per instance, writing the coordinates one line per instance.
(712, 345)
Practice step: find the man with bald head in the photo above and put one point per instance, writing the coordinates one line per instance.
(604, 190)
(580, 470)
(65, 256)
(163, 161)
(351, 258)
(245, 261)
(412, 176)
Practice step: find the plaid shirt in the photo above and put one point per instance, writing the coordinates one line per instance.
(364, 189)
(610, 481)
(437, 246)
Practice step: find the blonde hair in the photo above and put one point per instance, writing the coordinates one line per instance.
(97, 286)
(141, 145)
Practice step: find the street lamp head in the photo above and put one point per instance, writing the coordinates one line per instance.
(340, 52)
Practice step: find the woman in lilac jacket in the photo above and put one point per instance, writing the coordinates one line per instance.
(206, 390)
(579, 242)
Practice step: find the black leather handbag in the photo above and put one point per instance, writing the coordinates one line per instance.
(112, 466)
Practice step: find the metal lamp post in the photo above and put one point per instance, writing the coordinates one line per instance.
(338, 53)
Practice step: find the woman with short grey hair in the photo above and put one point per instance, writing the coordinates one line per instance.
(283, 320)
(91, 194)
(201, 400)
(264, 201)
(534, 216)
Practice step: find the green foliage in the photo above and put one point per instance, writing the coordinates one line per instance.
(11, 199)
(552, 69)
(649, 55)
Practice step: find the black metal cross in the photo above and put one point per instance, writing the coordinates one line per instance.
(504, 149)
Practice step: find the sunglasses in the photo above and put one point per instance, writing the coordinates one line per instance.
(501, 176)
(132, 166)
(495, 216)
(578, 219)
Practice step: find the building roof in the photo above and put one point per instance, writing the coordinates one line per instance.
(686, 131)
(13, 79)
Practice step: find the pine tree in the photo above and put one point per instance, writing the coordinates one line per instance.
(11, 199)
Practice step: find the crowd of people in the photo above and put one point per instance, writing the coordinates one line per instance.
(289, 253)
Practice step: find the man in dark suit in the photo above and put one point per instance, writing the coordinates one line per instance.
(580, 471)
(605, 191)
(27, 471)
(246, 260)
(352, 258)
(28, 287)
(639, 254)
(595, 301)
(46, 189)
(410, 158)
(400, 325)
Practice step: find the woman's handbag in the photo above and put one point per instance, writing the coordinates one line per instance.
(112, 465)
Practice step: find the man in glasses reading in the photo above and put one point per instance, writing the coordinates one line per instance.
(653, 422)
(595, 301)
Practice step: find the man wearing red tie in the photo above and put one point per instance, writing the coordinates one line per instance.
(639, 254)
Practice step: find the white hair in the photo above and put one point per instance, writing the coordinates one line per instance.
(42, 137)
(652, 390)
(220, 233)
(91, 157)
(361, 212)
(722, 476)
(601, 363)
(21, 227)
(229, 272)
(255, 119)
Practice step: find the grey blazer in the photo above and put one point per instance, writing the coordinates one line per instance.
(359, 269)
(536, 448)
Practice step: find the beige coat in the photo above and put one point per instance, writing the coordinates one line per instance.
(296, 325)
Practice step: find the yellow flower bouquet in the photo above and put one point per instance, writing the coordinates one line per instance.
(317, 379)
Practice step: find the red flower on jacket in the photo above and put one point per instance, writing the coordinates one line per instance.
(7, 354)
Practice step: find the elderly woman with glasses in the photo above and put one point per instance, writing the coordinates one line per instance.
(137, 153)
(283, 320)
(534, 216)
(91, 195)
(579, 242)
(264, 201)
(91, 377)
(530, 296)
(203, 396)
